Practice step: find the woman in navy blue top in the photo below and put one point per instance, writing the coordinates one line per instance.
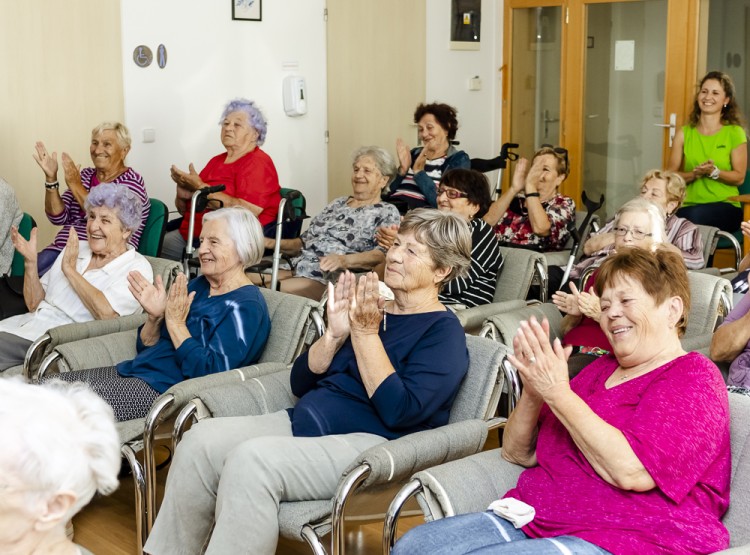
(217, 322)
(382, 369)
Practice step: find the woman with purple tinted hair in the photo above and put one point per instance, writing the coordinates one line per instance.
(88, 281)
(247, 172)
(110, 144)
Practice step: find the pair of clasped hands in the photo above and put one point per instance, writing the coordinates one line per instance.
(354, 305)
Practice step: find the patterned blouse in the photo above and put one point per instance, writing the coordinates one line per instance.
(515, 227)
(340, 229)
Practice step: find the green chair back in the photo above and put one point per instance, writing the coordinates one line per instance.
(25, 226)
(154, 230)
(743, 189)
(293, 217)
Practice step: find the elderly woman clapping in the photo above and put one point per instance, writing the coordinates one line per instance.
(60, 447)
(380, 371)
(245, 169)
(219, 322)
(110, 144)
(89, 281)
(632, 456)
(342, 236)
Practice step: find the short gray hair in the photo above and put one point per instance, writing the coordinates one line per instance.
(245, 231)
(120, 198)
(382, 158)
(122, 133)
(655, 213)
(58, 437)
(446, 236)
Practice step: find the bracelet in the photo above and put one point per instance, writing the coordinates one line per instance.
(532, 195)
(715, 173)
(51, 186)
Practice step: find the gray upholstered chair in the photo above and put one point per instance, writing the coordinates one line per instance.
(710, 302)
(471, 484)
(295, 324)
(42, 347)
(711, 236)
(381, 466)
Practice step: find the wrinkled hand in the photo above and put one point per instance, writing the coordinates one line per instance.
(519, 176)
(47, 162)
(588, 304)
(190, 179)
(333, 262)
(745, 227)
(71, 171)
(178, 301)
(543, 366)
(421, 160)
(70, 254)
(27, 249)
(534, 175)
(337, 306)
(365, 305)
(385, 235)
(151, 296)
(404, 156)
(567, 302)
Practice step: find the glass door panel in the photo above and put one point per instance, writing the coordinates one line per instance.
(623, 114)
(535, 80)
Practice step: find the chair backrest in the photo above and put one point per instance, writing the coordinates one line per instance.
(152, 236)
(295, 211)
(25, 226)
(506, 324)
(710, 302)
(710, 241)
(521, 267)
(480, 390)
(295, 324)
(735, 518)
(167, 269)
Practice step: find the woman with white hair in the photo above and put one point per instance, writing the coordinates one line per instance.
(110, 144)
(245, 169)
(218, 322)
(89, 281)
(60, 447)
(638, 224)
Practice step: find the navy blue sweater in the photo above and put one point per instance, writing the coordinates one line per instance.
(228, 331)
(428, 352)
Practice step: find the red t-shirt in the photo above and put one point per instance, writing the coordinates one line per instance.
(252, 178)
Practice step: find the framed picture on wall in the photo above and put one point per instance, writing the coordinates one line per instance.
(247, 10)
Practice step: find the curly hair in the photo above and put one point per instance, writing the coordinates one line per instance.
(445, 115)
(118, 197)
(254, 116)
(731, 114)
(121, 132)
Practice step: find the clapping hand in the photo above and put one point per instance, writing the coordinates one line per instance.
(519, 176)
(151, 296)
(70, 254)
(190, 180)
(71, 170)
(567, 302)
(404, 156)
(47, 162)
(178, 301)
(366, 305)
(337, 306)
(588, 304)
(27, 249)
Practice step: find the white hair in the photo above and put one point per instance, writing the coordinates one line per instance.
(655, 214)
(58, 437)
(244, 229)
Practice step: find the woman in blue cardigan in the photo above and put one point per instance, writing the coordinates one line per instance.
(217, 322)
(421, 168)
(382, 369)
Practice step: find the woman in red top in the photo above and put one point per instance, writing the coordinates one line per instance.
(247, 172)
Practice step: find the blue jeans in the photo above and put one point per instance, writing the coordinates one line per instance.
(486, 533)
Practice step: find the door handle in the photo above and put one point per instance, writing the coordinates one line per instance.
(672, 125)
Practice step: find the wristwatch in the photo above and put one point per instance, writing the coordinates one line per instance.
(715, 173)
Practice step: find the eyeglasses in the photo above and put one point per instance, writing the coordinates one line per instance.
(451, 193)
(558, 150)
(636, 233)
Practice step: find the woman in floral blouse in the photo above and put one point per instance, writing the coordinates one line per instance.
(532, 212)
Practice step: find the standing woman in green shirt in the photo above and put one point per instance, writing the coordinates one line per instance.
(710, 153)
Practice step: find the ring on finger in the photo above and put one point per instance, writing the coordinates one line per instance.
(532, 360)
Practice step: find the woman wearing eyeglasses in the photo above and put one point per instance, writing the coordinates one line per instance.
(638, 224)
(532, 212)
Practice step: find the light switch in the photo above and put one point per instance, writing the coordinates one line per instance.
(149, 135)
(475, 83)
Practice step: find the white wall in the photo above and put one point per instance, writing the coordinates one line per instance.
(212, 59)
(449, 71)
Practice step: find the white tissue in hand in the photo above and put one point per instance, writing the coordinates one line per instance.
(513, 510)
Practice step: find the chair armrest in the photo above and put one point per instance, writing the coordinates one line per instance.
(466, 485)
(265, 393)
(398, 459)
(473, 318)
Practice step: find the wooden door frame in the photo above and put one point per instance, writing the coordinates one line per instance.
(682, 52)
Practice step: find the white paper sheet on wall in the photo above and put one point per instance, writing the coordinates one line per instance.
(624, 55)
